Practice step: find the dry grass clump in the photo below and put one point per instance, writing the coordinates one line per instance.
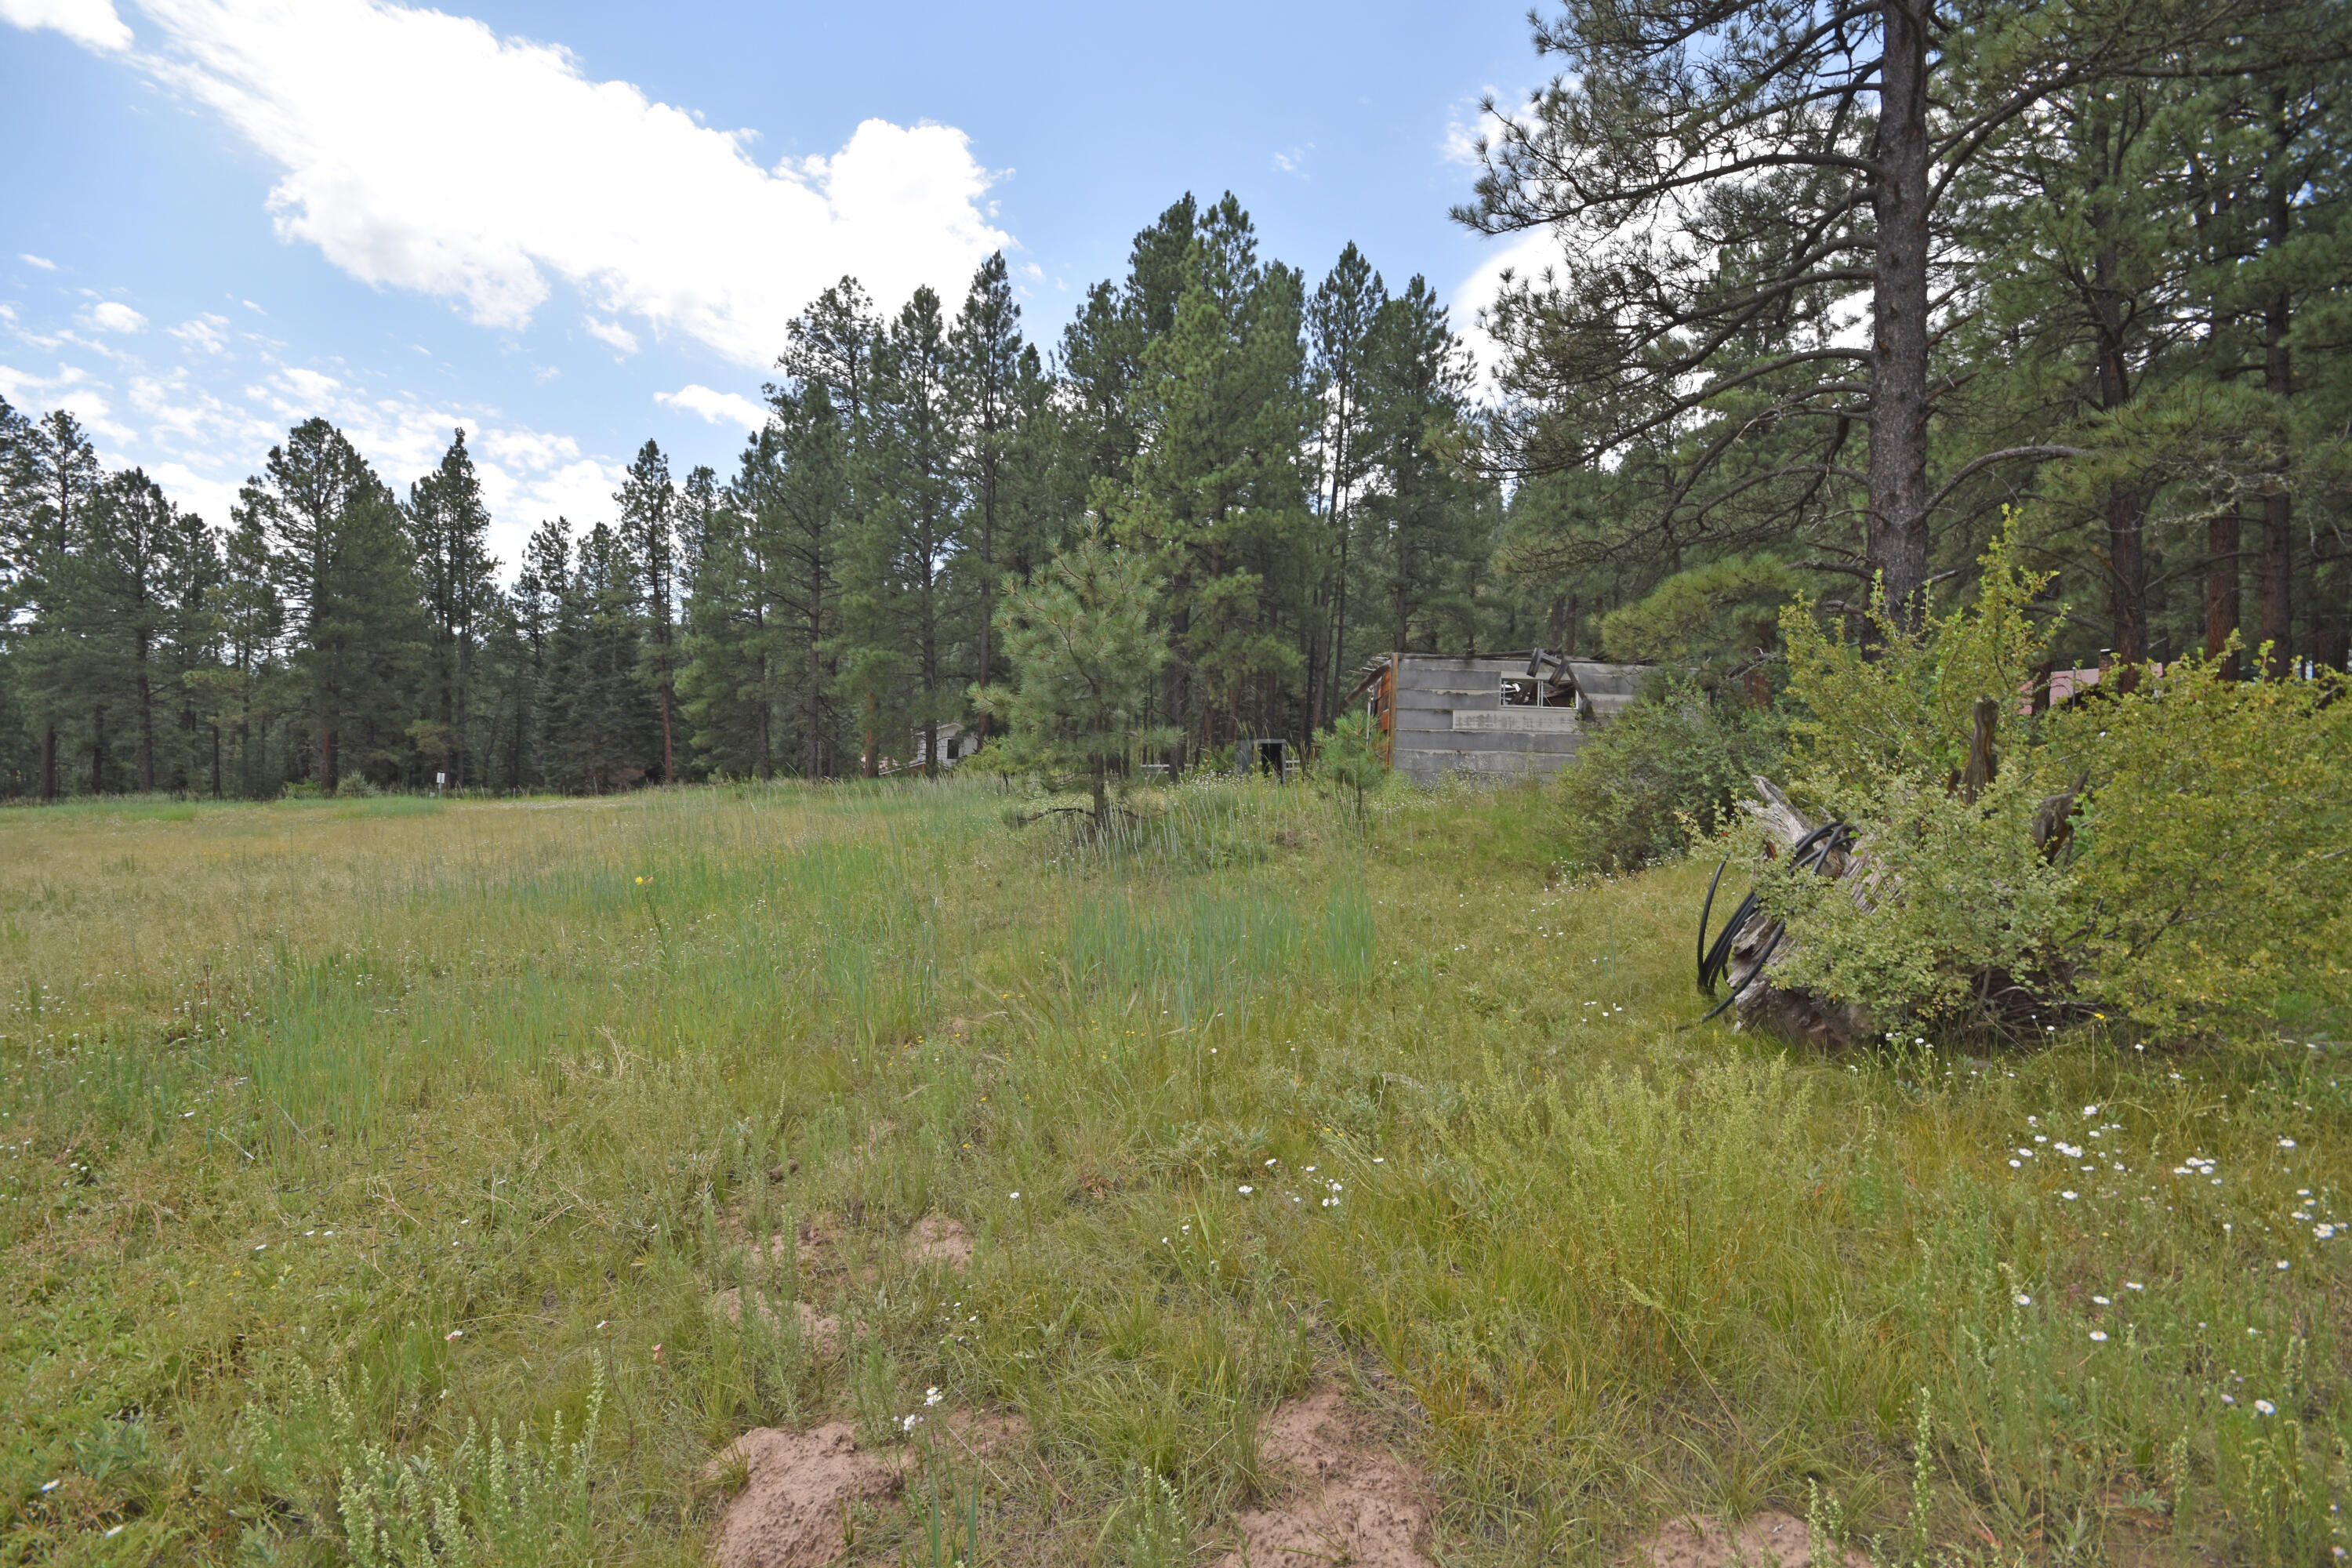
(370, 1173)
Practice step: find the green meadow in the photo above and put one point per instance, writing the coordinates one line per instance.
(369, 1169)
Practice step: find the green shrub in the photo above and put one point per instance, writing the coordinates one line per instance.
(2207, 879)
(1958, 897)
(1959, 901)
(1674, 758)
(2215, 879)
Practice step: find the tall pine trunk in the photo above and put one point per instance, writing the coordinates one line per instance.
(1897, 528)
(146, 724)
(2278, 516)
(2126, 506)
(2222, 535)
(668, 772)
(1339, 521)
(987, 578)
(2331, 617)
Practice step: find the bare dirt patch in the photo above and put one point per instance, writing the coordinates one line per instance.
(800, 1485)
(1760, 1540)
(790, 1513)
(1348, 1501)
(939, 1239)
(821, 1329)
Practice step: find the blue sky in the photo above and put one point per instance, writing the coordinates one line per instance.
(573, 227)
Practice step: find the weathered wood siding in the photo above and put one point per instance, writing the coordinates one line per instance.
(1432, 696)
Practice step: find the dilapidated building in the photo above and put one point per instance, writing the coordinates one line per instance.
(1511, 715)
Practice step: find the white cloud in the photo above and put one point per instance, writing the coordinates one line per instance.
(200, 441)
(312, 391)
(184, 415)
(207, 333)
(421, 150)
(1293, 161)
(209, 497)
(43, 262)
(527, 474)
(70, 389)
(88, 22)
(612, 333)
(718, 407)
(1850, 321)
(1460, 145)
(1522, 257)
(113, 316)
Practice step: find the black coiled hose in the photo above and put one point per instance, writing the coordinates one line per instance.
(1811, 853)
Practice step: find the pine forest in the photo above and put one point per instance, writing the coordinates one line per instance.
(1811, 334)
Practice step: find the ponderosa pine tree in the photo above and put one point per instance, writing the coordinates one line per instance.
(534, 605)
(2273, 164)
(1724, 176)
(832, 344)
(797, 492)
(648, 533)
(1219, 492)
(726, 687)
(133, 529)
(987, 374)
(77, 661)
(895, 604)
(1086, 641)
(1339, 325)
(17, 437)
(1424, 509)
(194, 576)
(56, 476)
(2122, 308)
(342, 567)
(450, 526)
(603, 718)
(831, 351)
(239, 693)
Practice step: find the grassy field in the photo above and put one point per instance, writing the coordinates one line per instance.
(332, 1132)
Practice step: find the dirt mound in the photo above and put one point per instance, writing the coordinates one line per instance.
(1349, 1502)
(1762, 1541)
(822, 1329)
(790, 1513)
(939, 1239)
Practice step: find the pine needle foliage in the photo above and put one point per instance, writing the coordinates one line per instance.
(1083, 638)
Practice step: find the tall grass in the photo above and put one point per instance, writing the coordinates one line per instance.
(469, 1118)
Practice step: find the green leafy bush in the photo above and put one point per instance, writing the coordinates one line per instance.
(1959, 906)
(2215, 877)
(1674, 758)
(2182, 854)
(1958, 900)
